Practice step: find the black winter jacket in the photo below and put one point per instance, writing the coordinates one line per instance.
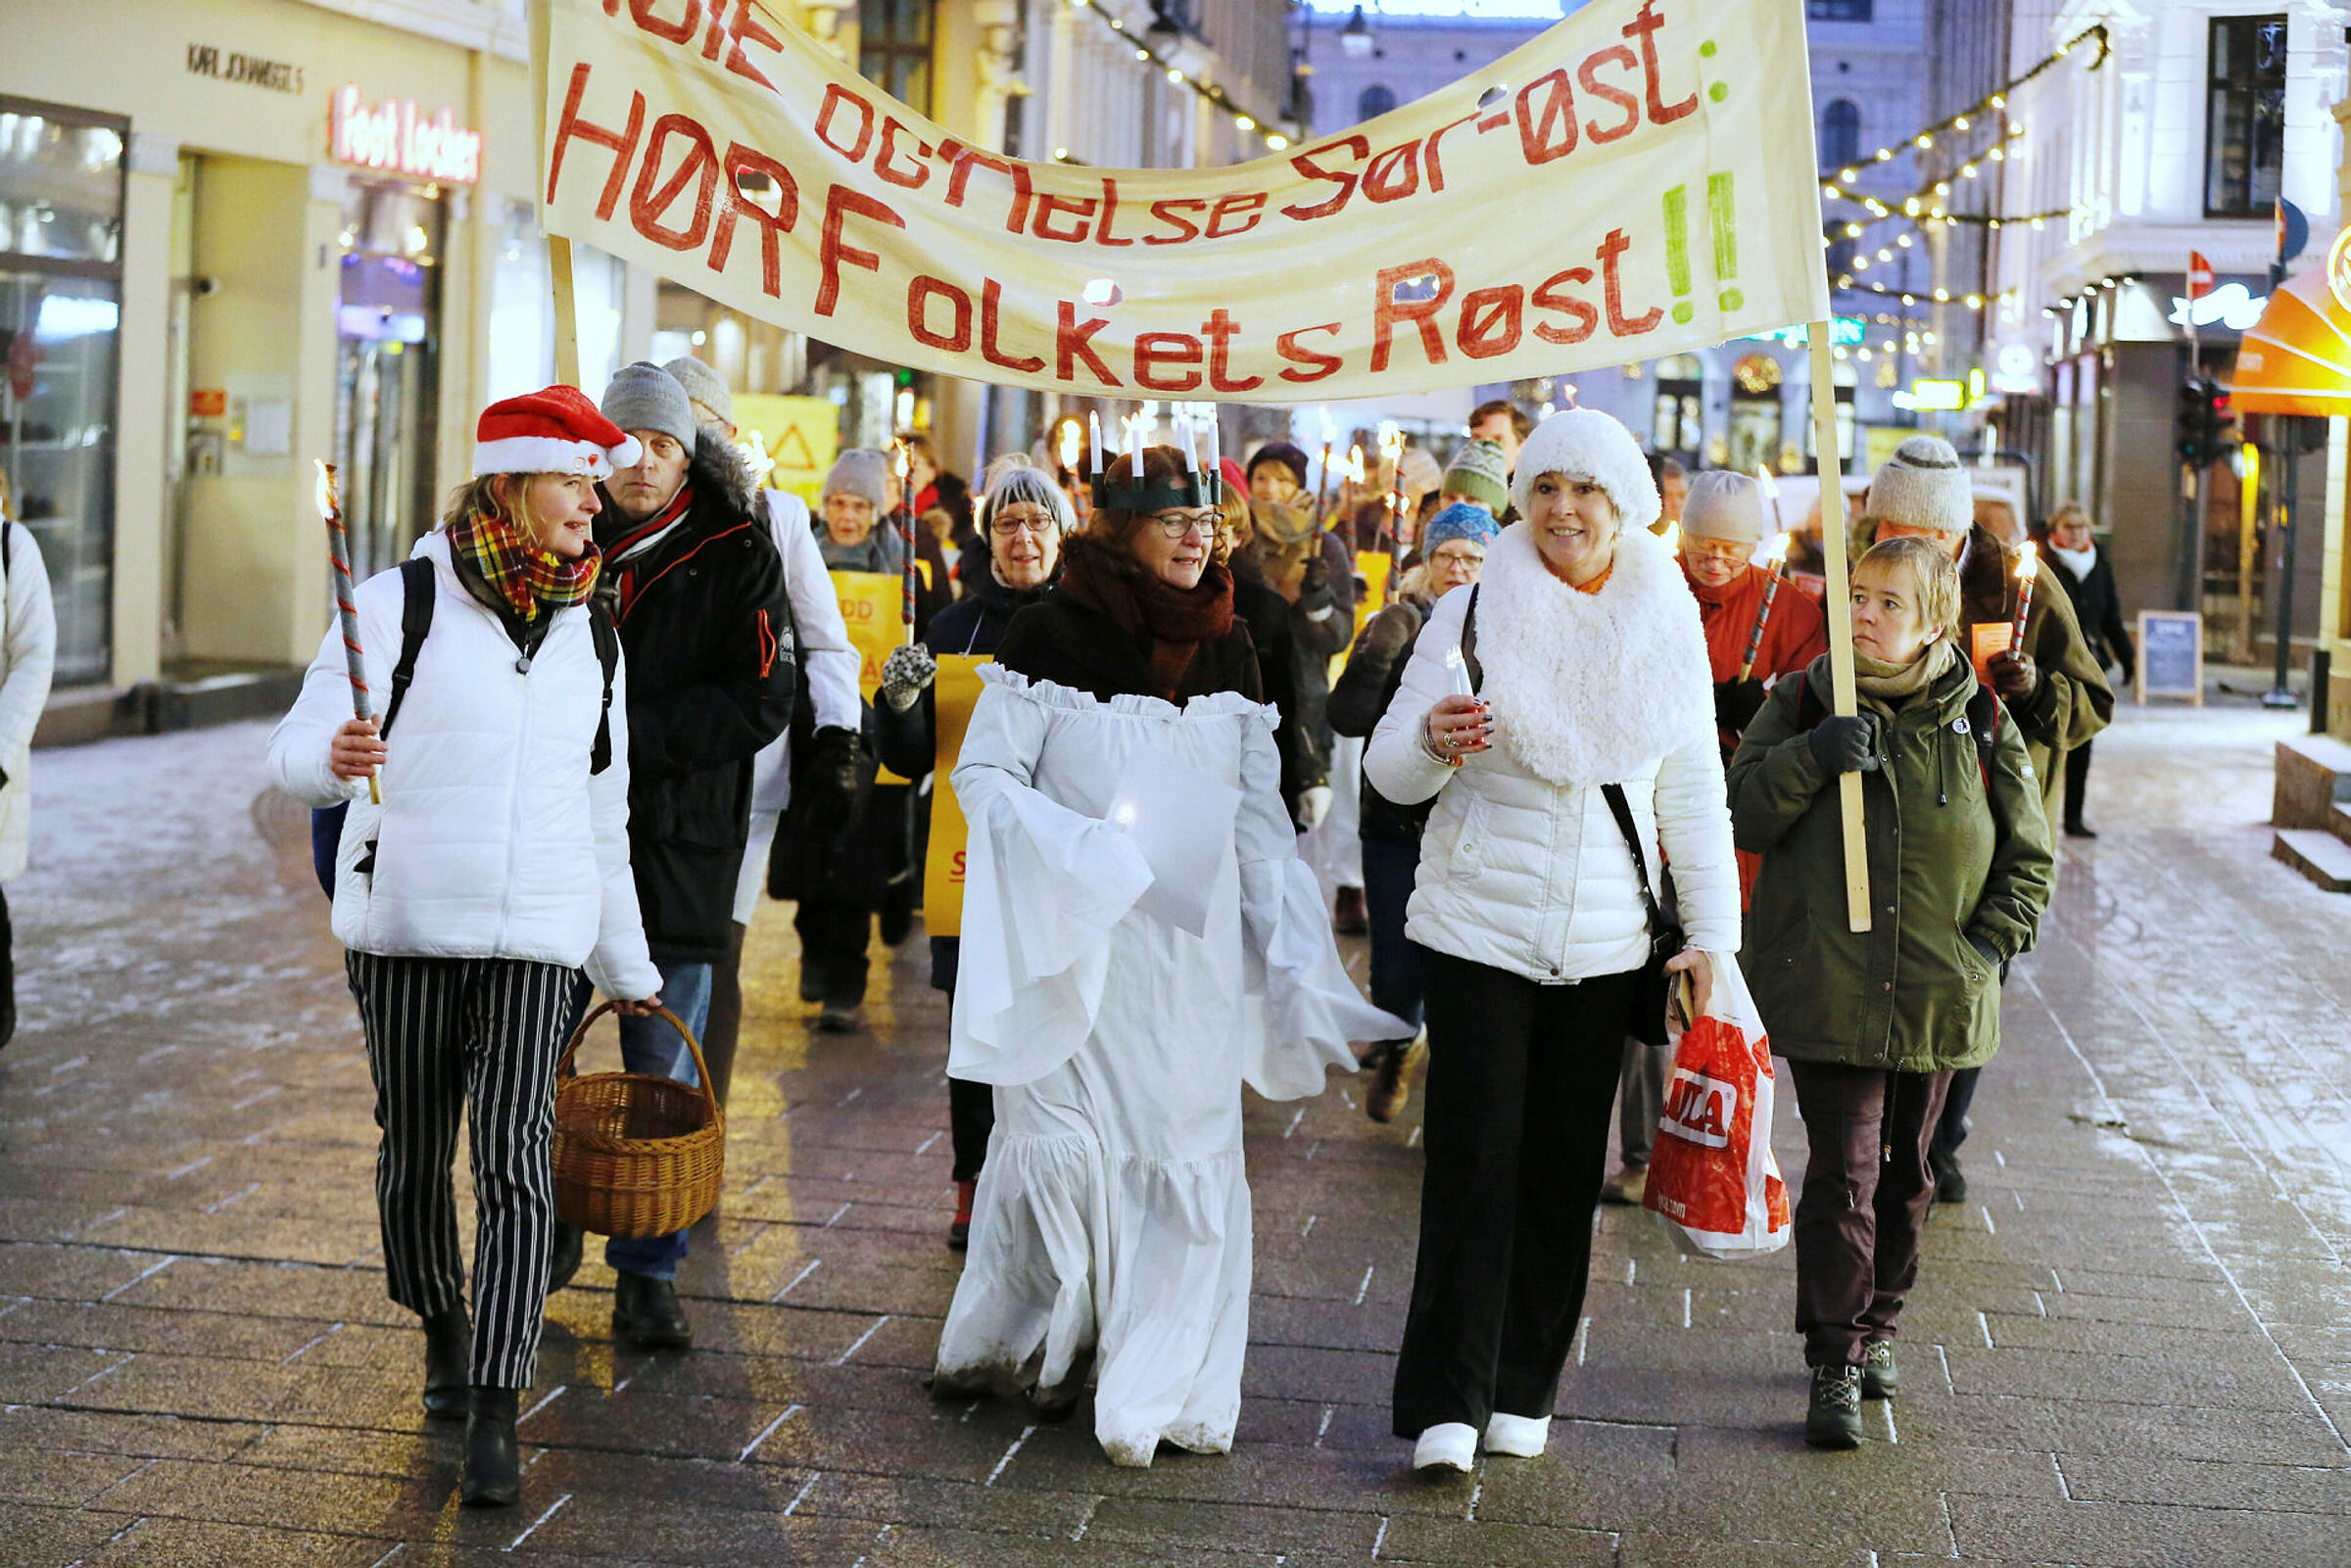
(1366, 686)
(706, 630)
(1061, 640)
(2098, 608)
(1295, 645)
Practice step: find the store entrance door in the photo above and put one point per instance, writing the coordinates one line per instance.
(387, 320)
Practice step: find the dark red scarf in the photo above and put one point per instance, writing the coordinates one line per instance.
(625, 575)
(1176, 620)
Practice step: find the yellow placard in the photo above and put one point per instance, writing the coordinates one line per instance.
(872, 608)
(956, 692)
(1372, 566)
(800, 435)
(1987, 640)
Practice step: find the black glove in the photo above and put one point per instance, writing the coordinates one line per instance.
(1846, 745)
(1736, 702)
(829, 783)
(2014, 676)
(1984, 950)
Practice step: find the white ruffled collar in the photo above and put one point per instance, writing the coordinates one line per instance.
(1070, 698)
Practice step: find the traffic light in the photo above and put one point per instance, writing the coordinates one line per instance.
(2200, 426)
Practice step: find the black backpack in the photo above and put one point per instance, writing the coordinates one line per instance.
(416, 620)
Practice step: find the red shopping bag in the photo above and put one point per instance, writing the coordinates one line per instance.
(1712, 1172)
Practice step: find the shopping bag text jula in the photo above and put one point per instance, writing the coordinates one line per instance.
(1712, 1173)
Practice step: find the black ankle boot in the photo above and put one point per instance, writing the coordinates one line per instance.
(646, 1313)
(447, 1360)
(493, 1466)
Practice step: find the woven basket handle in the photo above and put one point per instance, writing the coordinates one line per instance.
(702, 1069)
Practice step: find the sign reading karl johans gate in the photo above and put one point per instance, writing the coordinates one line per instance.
(1636, 180)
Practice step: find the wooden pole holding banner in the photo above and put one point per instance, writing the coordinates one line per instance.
(1842, 699)
(567, 312)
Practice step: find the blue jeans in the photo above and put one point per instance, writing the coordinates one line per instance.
(651, 1045)
(1389, 871)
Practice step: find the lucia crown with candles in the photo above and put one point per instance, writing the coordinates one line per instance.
(1199, 485)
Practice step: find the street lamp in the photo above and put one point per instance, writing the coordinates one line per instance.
(1355, 38)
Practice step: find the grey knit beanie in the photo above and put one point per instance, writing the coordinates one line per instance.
(860, 471)
(1480, 473)
(704, 385)
(645, 396)
(1923, 485)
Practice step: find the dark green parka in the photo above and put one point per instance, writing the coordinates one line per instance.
(1949, 859)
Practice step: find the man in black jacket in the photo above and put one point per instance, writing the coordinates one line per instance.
(2088, 578)
(693, 583)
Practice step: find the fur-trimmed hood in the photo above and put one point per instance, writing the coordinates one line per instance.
(718, 469)
(1592, 689)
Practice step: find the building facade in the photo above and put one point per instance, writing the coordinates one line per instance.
(2205, 115)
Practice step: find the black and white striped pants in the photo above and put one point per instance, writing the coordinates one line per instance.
(481, 1036)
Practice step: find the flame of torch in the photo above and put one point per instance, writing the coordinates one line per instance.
(347, 609)
(907, 578)
(1068, 445)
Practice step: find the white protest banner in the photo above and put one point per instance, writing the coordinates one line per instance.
(1635, 182)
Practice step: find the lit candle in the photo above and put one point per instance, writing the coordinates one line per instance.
(1216, 460)
(2028, 568)
(1185, 436)
(1093, 429)
(1068, 445)
(347, 610)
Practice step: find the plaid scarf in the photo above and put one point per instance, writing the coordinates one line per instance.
(525, 576)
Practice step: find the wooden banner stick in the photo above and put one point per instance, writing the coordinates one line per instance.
(567, 312)
(1842, 699)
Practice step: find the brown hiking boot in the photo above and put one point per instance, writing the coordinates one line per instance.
(1392, 1084)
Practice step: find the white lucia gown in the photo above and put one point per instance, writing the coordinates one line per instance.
(1139, 939)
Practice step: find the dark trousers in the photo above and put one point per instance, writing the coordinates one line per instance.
(1867, 1189)
(725, 1023)
(478, 1038)
(1950, 1127)
(8, 975)
(971, 1119)
(1522, 1078)
(2077, 782)
(834, 933)
(1397, 979)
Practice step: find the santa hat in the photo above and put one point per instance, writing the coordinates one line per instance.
(557, 431)
(1586, 444)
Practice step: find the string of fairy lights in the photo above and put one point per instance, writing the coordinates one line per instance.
(1927, 207)
(1242, 121)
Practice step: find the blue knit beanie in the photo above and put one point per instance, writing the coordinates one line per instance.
(1460, 520)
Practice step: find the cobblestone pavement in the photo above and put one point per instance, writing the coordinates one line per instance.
(2131, 1344)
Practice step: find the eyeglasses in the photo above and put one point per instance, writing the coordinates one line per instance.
(1006, 524)
(1458, 557)
(1178, 525)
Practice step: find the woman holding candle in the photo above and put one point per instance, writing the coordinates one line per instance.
(1591, 737)
(496, 868)
(2049, 681)
(1874, 1024)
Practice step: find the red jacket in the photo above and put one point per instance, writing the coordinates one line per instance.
(1796, 634)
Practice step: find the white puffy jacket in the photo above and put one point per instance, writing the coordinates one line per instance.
(27, 656)
(1524, 867)
(494, 840)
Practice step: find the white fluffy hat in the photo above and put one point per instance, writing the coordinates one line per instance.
(1586, 444)
(1923, 485)
(1723, 503)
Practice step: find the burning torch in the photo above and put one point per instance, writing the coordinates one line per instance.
(347, 610)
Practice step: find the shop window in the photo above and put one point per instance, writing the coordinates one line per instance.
(893, 49)
(1840, 133)
(1374, 101)
(1754, 432)
(2244, 126)
(1678, 423)
(386, 380)
(61, 293)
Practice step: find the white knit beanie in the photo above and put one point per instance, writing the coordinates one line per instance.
(1726, 505)
(1586, 444)
(1923, 485)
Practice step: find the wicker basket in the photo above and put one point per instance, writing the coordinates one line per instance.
(636, 1155)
